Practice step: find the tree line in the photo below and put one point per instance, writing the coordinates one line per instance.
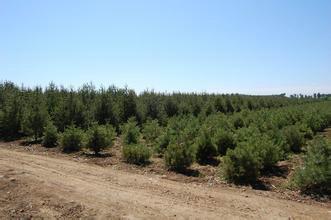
(25, 111)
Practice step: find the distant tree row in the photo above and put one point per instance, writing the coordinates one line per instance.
(25, 111)
(315, 96)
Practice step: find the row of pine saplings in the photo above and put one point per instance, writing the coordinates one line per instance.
(245, 145)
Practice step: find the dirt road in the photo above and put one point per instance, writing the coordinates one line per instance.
(60, 188)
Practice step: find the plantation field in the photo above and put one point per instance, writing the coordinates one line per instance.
(112, 153)
(43, 183)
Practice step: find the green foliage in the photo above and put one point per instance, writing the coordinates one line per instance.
(256, 153)
(216, 122)
(75, 113)
(131, 132)
(136, 154)
(305, 131)
(220, 105)
(163, 141)
(114, 105)
(106, 110)
(205, 148)
(129, 104)
(241, 165)
(268, 152)
(1, 123)
(179, 155)
(12, 116)
(316, 122)
(171, 107)
(37, 116)
(50, 135)
(327, 117)
(151, 131)
(100, 137)
(153, 107)
(238, 122)
(72, 139)
(224, 140)
(315, 175)
(246, 134)
(209, 109)
(294, 138)
(229, 106)
(179, 128)
(185, 127)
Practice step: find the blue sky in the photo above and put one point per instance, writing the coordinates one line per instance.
(233, 46)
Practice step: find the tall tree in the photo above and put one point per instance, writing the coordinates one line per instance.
(106, 110)
(129, 105)
(37, 116)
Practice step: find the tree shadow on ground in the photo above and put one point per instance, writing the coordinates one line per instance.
(259, 185)
(255, 184)
(211, 161)
(91, 154)
(279, 171)
(318, 193)
(190, 172)
(31, 142)
(142, 164)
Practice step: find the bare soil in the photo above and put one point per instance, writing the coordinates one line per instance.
(43, 183)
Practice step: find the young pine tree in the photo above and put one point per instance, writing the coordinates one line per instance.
(224, 140)
(72, 139)
(130, 132)
(151, 131)
(50, 135)
(205, 147)
(179, 155)
(100, 137)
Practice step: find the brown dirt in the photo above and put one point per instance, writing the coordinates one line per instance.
(51, 185)
(23, 198)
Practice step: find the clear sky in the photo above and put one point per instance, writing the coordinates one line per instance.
(247, 46)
